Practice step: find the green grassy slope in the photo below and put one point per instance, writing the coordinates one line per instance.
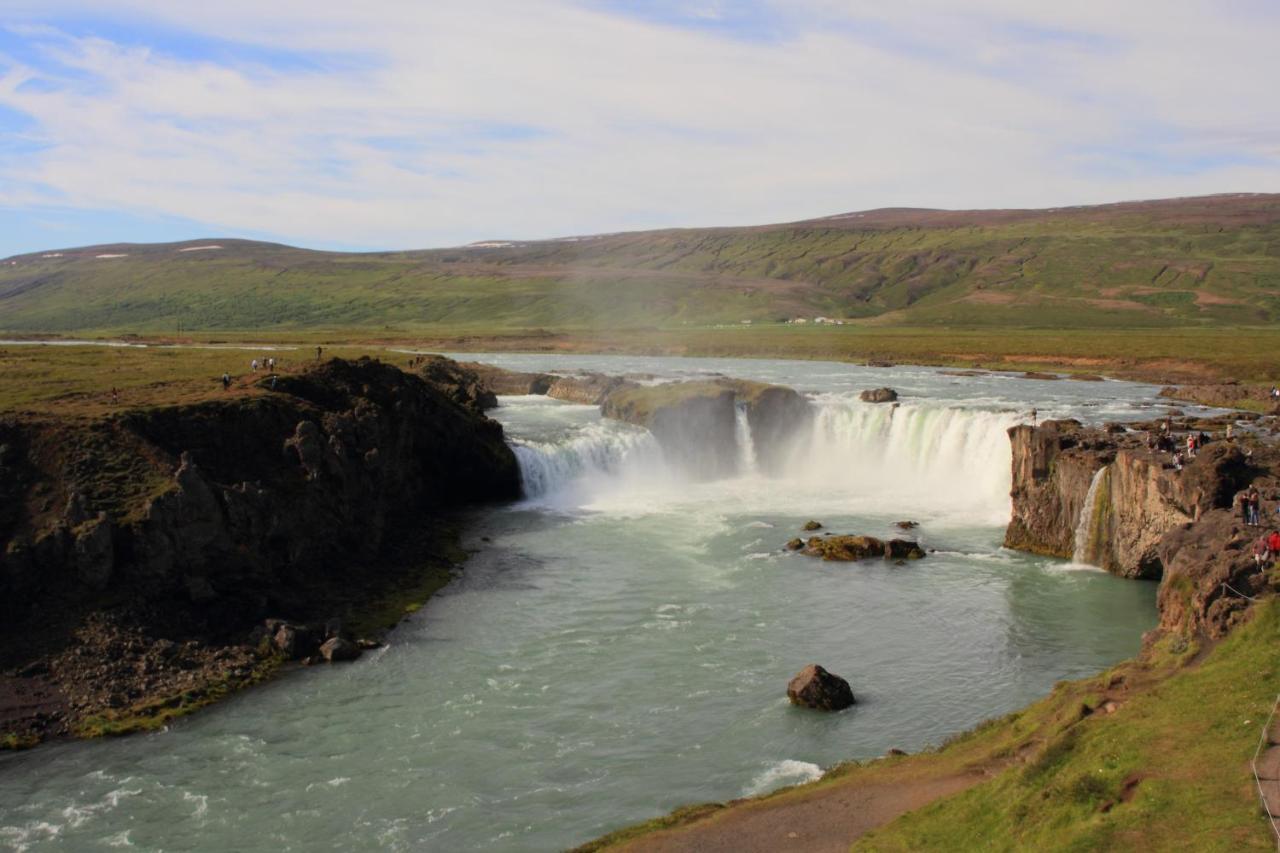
(1168, 770)
(1206, 261)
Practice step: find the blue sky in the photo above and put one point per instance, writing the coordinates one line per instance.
(388, 125)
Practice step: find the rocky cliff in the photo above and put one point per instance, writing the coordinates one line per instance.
(697, 422)
(1130, 510)
(219, 513)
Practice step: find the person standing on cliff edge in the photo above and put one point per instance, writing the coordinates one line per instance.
(1253, 502)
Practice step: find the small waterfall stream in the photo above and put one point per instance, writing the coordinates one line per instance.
(1085, 552)
(747, 465)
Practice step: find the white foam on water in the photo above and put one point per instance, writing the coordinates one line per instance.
(787, 772)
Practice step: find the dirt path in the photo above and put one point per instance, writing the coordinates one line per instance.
(829, 818)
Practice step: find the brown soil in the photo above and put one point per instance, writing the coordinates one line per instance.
(828, 818)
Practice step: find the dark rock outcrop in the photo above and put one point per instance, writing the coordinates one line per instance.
(878, 395)
(696, 422)
(462, 384)
(814, 687)
(336, 649)
(194, 521)
(509, 382)
(812, 525)
(903, 549)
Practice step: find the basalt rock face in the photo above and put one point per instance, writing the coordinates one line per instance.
(1146, 518)
(588, 388)
(1053, 465)
(204, 518)
(509, 382)
(1138, 499)
(239, 501)
(697, 422)
(463, 384)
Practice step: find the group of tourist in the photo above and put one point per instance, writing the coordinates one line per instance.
(266, 363)
(1266, 549)
(1180, 452)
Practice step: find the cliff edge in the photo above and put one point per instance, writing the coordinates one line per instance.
(139, 550)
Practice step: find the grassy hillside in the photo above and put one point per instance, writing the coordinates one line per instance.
(1205, 261)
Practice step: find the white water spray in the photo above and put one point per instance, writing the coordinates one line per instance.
(747, 465)
(1084, 544)
(917, 459)
(912, 455)
(598, 452)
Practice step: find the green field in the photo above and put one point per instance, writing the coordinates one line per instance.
(1212, 261)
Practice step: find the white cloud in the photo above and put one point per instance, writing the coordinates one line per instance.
(394, 135)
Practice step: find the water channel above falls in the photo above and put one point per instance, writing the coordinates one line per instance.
(620, 642)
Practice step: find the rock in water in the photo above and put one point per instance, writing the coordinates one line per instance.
(845, 548)
(336, 649)
(795, 544)
(878, 395)
(812, 525)
(902, 549)
(814, 687)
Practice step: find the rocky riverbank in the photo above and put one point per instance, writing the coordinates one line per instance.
(1107, 497)
(143, 551)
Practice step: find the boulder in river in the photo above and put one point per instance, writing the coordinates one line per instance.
(845, 548)
(902, 549)
(814, 687)
(878, 395)
(336, 649)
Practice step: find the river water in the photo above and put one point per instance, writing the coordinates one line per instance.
(620, 642)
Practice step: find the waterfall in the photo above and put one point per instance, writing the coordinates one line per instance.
(912, 455)
(925, 461)
(746, 445)
(603, 450)
(1086, 544)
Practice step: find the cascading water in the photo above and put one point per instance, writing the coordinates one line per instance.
(747, 465)
(927, 460)
(911, 455)
(598, 451)
(1085, 552)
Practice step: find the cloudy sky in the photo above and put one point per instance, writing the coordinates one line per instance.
(401, 124)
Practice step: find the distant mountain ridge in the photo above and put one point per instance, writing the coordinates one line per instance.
(1204, 260)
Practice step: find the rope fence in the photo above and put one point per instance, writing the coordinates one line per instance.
(1226, 585)
(1253, 765)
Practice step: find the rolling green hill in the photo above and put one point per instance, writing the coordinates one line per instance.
(1212, 261)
